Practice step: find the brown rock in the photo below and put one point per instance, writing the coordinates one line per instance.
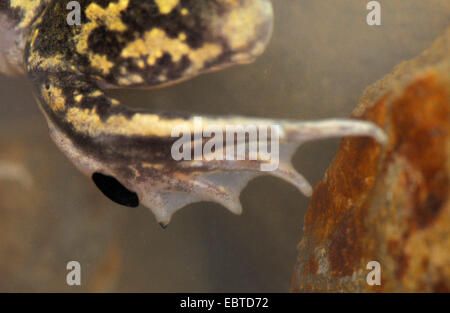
(387, 204)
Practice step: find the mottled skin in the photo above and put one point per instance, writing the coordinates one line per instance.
(145, 43)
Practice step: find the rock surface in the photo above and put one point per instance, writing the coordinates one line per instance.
(387, 204)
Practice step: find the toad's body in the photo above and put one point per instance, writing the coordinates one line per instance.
(144, 43)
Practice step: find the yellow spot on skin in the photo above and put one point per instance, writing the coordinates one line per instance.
(151, 60)
(206, 53)
(130, 80)
(45, 63)
(110, 16)
(137, 79)
(33, 38)
(29, 9)
(182, 36)
(96, 93)
(166, 6)
(78, 98)
(150, 165)
(54, 97)
(101, 63)
(184, 11)
(97, 16)
(162, 77)
(141, 64)
(242, 24)
(88, 122)
(156, 42)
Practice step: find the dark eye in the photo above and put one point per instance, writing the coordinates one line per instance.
(115, 191)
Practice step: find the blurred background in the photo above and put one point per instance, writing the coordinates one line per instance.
(322, 56)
